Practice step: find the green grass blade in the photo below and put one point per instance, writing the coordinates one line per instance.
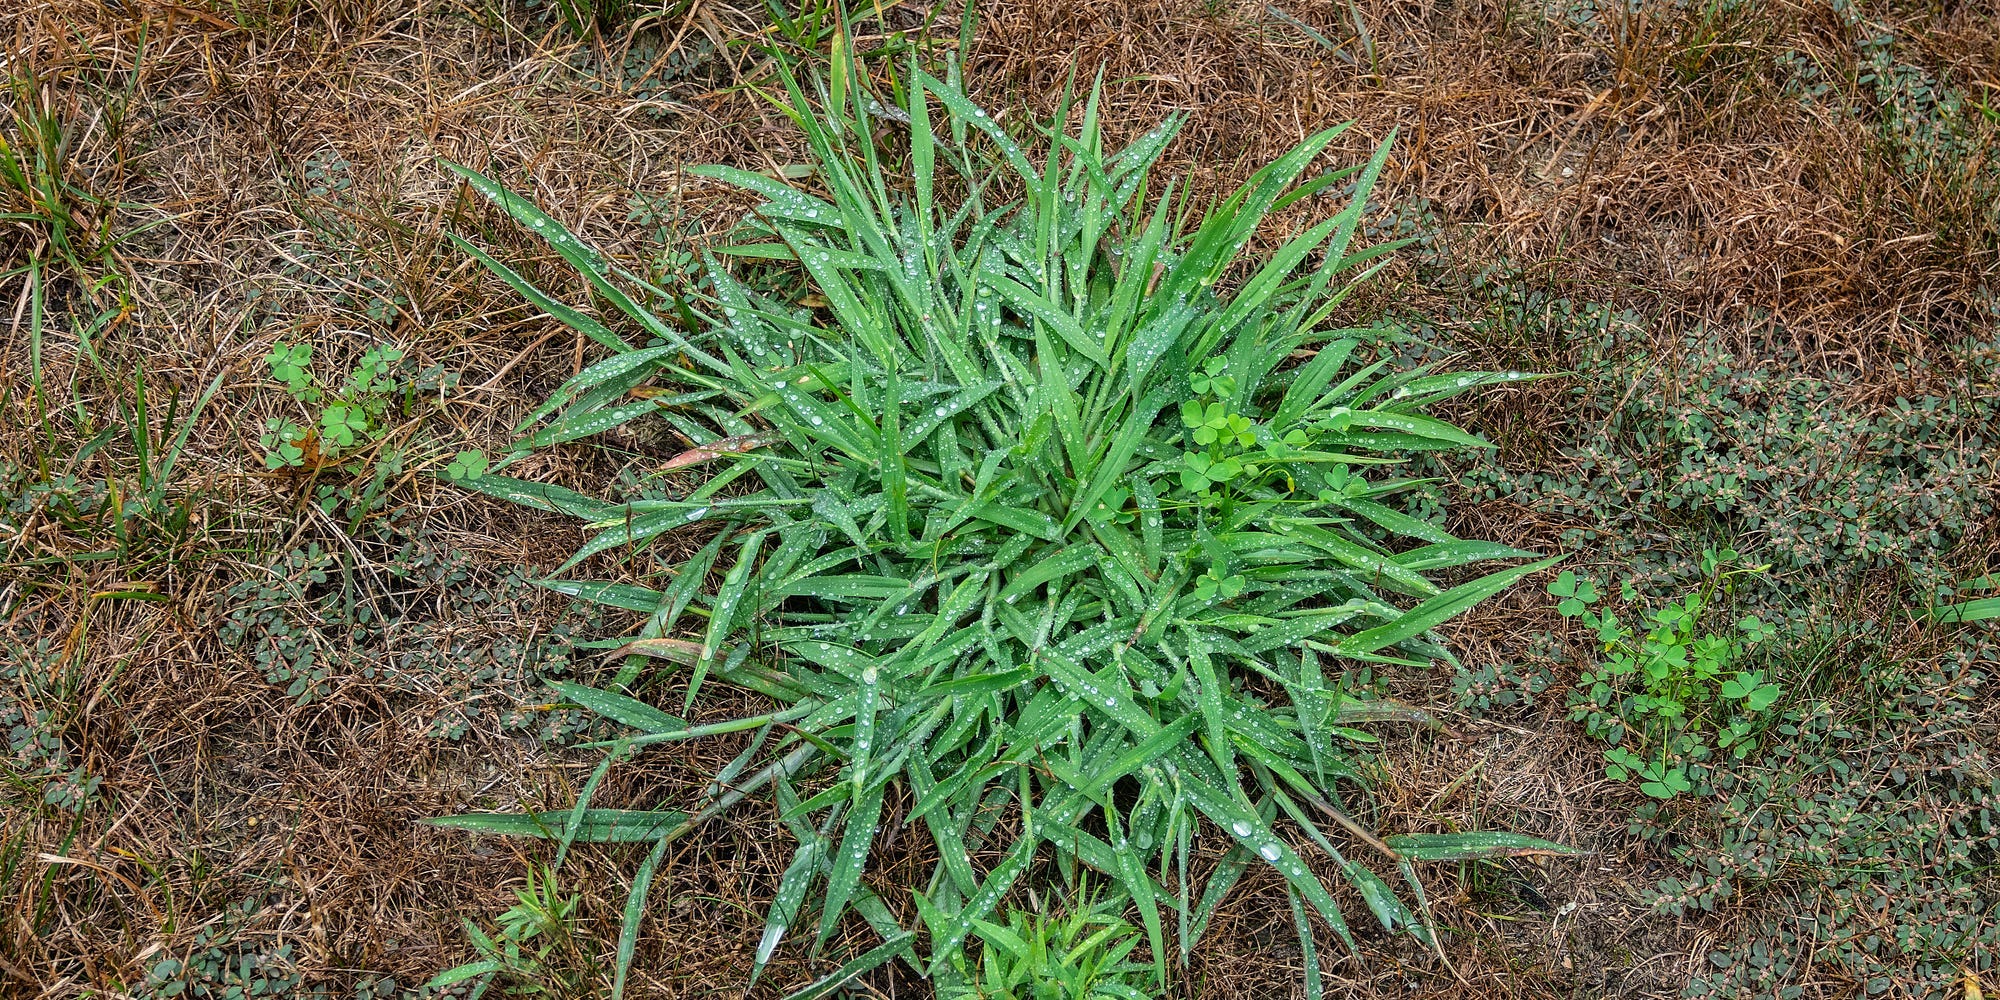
(1255, 836)
(844, 875)
(1472, 846)
(870, 959)
(611, 595)
(722, 618)
(1984, 609)
(585, 259)
(1453, 554)
(596, 826)
(1308, 952)
(635, 915)
(1437, 610)
(564, 314)
(784, 912)
(619, 708)
(1425, 428)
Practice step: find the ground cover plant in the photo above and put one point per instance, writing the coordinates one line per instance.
(1669, 699)
(1036, 528)
(1082, 951)
(1756, 241)
(1854, 725)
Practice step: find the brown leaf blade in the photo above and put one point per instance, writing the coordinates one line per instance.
(736, 445)
(675, 650)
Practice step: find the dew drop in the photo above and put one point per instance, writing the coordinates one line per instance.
(1270, 852)
(1242, 828)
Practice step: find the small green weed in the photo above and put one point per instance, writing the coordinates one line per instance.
(1082, 954)
(225, 964)
(535, 951)
(1938, 136)
(1758, 454)
(1672, 697)
(327, 174)
(1856, 842)
(653, 66)
(349, 424)
(1872, 824)
(38, 702)
(341, 417)
(1488, 687)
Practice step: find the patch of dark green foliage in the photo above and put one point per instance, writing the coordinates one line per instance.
(1036, 540)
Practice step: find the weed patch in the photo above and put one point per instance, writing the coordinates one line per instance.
(469, 655)
(1834, 826)
(1032, 490)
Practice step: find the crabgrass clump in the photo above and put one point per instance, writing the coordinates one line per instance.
(49, 214)
(1035, 540)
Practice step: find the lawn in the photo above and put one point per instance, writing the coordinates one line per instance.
(375, 373)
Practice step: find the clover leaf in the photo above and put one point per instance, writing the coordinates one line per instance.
(466, 465)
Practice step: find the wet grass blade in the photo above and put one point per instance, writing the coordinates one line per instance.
(619, 708)
(870, 959)
(1472, 846)
(635, 915)
(596, 826)
(1438, 610)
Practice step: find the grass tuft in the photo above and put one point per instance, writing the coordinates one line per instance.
(1036, 540)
